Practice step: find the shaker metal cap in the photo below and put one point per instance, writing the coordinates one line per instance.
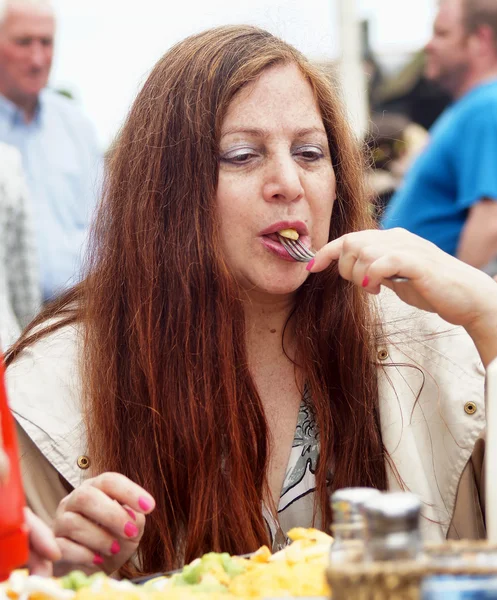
(347, 504)
(392, 511)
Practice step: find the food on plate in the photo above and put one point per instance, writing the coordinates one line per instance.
(291, 234)
(297, 570)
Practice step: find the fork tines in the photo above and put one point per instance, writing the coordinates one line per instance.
(296, 249)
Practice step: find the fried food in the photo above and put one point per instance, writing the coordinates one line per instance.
(291, 234)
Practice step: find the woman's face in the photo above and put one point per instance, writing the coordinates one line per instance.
(275, 173)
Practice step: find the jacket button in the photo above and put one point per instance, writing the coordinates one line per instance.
(83, 462)
(382, 354)
(470, 408)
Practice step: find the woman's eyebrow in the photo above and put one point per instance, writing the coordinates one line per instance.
(258, 132)
(310, 130)
(253, 131)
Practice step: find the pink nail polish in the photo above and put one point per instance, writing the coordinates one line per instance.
(130, 513)
(98, 560)
(144, 503)
(310, 264)
(365, 281)
(130, 529)
(115, 548)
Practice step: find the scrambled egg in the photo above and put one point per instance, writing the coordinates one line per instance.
(297, 570)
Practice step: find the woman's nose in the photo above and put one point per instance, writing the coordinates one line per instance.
(283, 183)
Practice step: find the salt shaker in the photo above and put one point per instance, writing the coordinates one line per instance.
(348, 523)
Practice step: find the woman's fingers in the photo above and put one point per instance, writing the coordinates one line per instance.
(97, 507)
(41, 538)
(401, 250)
(326, 255)
(101, 501)
(120, 488)
(100, 524)
(77, 554)
(80, 530)
(88, 545)
(40, 566)
(43, 548)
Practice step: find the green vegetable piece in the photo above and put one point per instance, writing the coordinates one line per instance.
(231, 566)
(75, 580)
(193, 572)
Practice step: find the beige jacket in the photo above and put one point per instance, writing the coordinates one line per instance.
(431, 395)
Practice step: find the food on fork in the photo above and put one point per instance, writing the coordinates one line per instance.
(290, 234)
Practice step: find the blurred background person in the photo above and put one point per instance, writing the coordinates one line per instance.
(20, 294)
(448, 196)
(410, 93)
(392, 142)
(59, 148)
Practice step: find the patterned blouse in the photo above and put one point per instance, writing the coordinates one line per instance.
(297, 496)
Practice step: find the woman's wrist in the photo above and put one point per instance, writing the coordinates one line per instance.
(483, 331)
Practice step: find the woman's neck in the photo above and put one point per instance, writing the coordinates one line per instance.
(266, 320)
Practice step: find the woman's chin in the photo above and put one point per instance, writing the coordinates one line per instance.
(282, 284)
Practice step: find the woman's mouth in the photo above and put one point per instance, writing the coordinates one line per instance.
(290, 230)
(272, 243)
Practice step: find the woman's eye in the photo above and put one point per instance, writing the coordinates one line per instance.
(239, 157)
(309, 153)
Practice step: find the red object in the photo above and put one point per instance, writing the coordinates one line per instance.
(13, 532)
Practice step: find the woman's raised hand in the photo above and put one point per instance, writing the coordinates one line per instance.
(100, 524)
(438, 282)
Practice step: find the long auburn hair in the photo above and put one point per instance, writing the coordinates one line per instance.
(168, 398)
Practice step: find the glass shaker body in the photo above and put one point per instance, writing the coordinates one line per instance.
(348, 527)
(392, 525)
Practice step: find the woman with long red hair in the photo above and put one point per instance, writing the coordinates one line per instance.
(201, 381)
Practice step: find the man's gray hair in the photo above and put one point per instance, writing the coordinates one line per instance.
(4, 5)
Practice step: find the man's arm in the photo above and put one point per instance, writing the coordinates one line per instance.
(478, 241)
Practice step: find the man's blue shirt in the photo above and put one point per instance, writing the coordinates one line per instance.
(456, 170)
(62, 163)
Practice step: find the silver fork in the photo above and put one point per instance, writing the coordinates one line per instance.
(301, 253)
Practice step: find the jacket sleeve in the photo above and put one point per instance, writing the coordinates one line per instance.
(44, 392)
(468, 521)
(43, 486)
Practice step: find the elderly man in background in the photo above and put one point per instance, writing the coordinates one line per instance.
(449, 195)
(58, 145)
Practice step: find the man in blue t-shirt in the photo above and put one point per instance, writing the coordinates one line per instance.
(449, 195)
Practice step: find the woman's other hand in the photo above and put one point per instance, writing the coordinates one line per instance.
(438, 282)
(100, 524)
(43, 549)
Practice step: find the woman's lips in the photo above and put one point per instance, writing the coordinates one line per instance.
(272, 243)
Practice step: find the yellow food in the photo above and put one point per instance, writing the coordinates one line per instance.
(297, 570)
(291, 234)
